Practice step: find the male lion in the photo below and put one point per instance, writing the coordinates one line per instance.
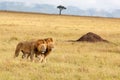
(30, 48)
(49, 47)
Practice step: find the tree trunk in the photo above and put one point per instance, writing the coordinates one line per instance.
(60, 11)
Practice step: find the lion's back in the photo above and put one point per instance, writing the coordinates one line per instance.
(25, 46)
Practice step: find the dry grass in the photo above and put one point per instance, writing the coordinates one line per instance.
(69, 60)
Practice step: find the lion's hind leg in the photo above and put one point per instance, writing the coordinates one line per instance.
(24, 55)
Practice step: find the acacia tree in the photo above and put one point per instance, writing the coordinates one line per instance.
(60, 7)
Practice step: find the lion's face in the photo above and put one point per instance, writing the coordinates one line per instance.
(41, 46)
(50, 42)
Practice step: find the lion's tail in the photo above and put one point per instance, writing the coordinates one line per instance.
(17, 51)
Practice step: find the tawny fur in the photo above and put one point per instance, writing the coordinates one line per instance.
(50, 46)
(30, 48)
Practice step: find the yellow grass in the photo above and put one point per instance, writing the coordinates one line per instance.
(69, 60)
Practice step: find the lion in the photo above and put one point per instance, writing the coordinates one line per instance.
(30, 48)
(49, 47)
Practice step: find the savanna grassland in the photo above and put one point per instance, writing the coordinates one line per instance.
(69, 60)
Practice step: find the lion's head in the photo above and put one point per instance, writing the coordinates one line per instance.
(41, 45)
(50, 42)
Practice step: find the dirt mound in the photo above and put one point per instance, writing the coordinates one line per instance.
(91, 37)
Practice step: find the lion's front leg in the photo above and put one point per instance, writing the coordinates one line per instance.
(41, 57)
(45, 59)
